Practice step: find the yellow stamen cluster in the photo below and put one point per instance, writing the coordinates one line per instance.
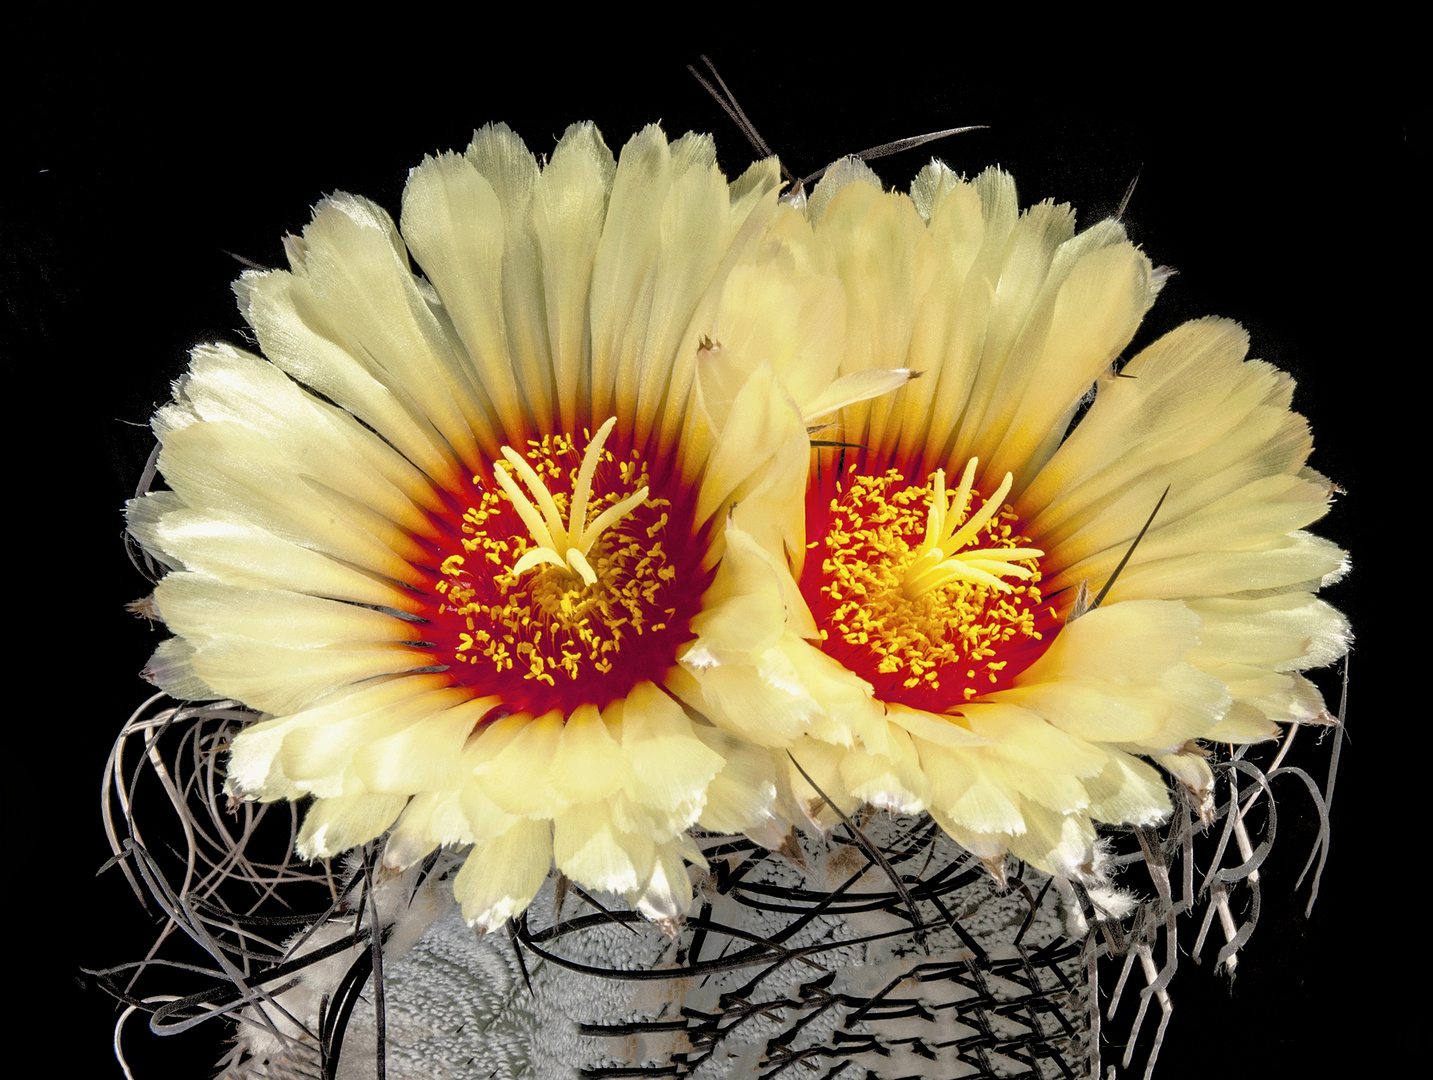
(902, 583)
(587, 576)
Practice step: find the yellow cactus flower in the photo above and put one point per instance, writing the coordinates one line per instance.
(958, 629)
(452, 531)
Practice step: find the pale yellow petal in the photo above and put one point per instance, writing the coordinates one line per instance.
(277, 679)
(964, 791)
(324, 444)
(624, 255)
(592, 849)
(502, 875)
(515, 778)
(588, 763)
(255, 769)
(362, 295)
(233, 549)
(1093, 316)
(314, 749)
(409, 839)
(200, 606)
(1243, 723)
(744, 611)
(171, 668)
(770, 314)
(472, 816)
(989, 847)
(1127, 791)
(332, 826)
(822, 785)
(276, 304)
(765, 704)
(743, 795)
(454, 224)
(568, 205)
(933, 728)
(1288, 562)
(763, 420)
(892, 781)
(670, 766)
(424, 756)
(1191, 768)
(1119, 643)
(234, 470)
(1289, 631)
(667, 893)
(1057, 843)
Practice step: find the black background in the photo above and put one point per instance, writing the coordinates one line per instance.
(1275, 183)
